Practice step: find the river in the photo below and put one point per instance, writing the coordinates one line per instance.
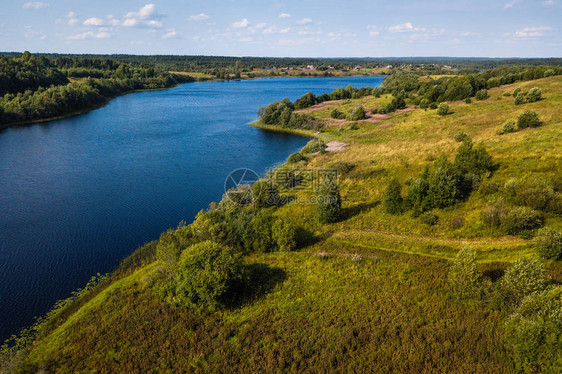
(79, 194)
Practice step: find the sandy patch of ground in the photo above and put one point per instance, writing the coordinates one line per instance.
(335, 146)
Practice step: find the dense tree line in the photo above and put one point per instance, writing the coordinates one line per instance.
(461, 87)
(35, 88)
(28, 73)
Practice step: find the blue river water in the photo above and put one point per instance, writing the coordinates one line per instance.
(78, 195)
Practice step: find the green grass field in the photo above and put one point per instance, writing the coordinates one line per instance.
(370, 295)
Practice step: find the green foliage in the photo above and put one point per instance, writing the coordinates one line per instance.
(393, 202)
(433, 105)
(424, 104)
(265, 194)
(520, 219)
(524, 277)
(517, 91)
(468, 100)
(508, 126)
(461, 136)
(535, 193)
(336, 114)
(208, 276)
(534, 94)
(443, 184)
(535, 332)
(358, 113)
(171, 244)
(481, 94)
(307, 100)
(443, 109)
(473, 160)
(329, 208)
(258, 235)
(285, 235)
(429, 218)
(549, 243)
(519, 98)
(296, 157)
(313, 146)
(464, 277)
(529, 118)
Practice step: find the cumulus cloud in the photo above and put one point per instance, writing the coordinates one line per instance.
(90, 35)
(245, 40)
(146, 16)
(35, 5)
(241, 24)
(199, 17)
(171, 34)
(284, 15)
(532, 32)
(404, 27)
(93, 22)
(304, 21)
(275, 30)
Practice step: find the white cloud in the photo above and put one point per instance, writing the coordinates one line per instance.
(404, 27)
(71, 14)
(32, 33)
(284, 15)
(548, 2)
(245, 40)
(146, 16)
(373, 30)
(35, 5)
(73, 21)
(275, 30)
(171, 34)
(511, 4)
(199, 17)
(241, 24)
(93, 22)
(304, 21)
(90, 35)
(532, 32)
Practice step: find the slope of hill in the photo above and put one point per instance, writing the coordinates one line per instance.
(370, 292)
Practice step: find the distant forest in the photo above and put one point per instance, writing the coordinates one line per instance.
(44, 86)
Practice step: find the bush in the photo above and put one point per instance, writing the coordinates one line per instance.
(519, 99)
(335, 113)
(473, 160)
(285, 235)
(171, 244)
(535, 332)
(534, 95)
(329, 205)
(296, 157)
(532, 192)
(508, 126)
(520, 219)
(258, 235)
(517, 91)
(208, 276)
(529, 118)
(549, 243)
(429, 218)
(481, 94)
(313, 146)
(433, 105)
(549, 73)
(424, 104)
(464, 277)
(457, 222)
(461, 136)
(357, 114)
(443, 109)
(506, 94)
(468, 100)
(393, 202)
(522, 278)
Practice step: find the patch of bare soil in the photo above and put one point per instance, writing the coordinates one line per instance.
(335, 146)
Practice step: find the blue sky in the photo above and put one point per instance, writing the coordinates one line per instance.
(328, 28)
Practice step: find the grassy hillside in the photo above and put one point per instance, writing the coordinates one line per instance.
(369, 293)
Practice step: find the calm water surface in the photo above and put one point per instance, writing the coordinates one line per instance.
(80, 194)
